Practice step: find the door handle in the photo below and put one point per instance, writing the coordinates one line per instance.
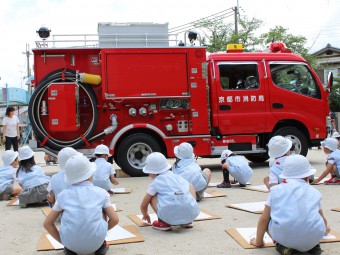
(225, 107)
(277, 105)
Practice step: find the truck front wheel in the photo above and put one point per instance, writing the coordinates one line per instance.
(299, 140)
(133, 151)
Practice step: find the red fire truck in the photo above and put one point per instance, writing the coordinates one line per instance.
(146, 99)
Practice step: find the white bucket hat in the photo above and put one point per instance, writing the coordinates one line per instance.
(335, 135)
(225, 154)
(184, 151)
(330, 143)
(9, 156)
(156, 163)
(25, 152)
(102, 149)
(64, 154)
(297, 166)
(278, 146)
(78, 168)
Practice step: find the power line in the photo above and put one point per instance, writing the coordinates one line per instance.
(212, 16)
(193, 25)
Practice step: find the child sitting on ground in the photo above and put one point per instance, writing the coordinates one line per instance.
(58, 183)
(293, 215)
(171, 197)
(105, 173)
(7, 175)
(278, 150)
(187, 167)
(236, 166)
(330, 148)
(31, 178)
(85, 207)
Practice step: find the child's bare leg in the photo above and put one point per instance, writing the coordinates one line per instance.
(154, 203)
(16, 191)
(208, 173)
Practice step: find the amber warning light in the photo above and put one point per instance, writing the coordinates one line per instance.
(236, 47)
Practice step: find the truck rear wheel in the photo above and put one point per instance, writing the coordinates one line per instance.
(133, 151)
(299, 140)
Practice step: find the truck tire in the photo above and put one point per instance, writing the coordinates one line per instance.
(133, 151)
(257, 158)
(298, 139)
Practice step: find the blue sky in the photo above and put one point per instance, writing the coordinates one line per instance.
(19, 20)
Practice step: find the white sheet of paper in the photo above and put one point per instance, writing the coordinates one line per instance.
(153, 217)
(328, 237)
(203, 216)
(249, 233)
(118, 233)
(56, 245)
(253, 207)
(260, 187)
(114, 206)
(118, 190)
(213, 184)
(16, 202)
(205, 194)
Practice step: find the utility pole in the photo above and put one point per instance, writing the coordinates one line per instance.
(27, 53)
(235, 9)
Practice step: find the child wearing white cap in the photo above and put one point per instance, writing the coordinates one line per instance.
(278, 150)
(187, 167)
(31, 178)
(236, 166)
(7, 175)
(84, 209)
(336, 135)
(105, 172)
(293, 215)
(171, 197)
(330, 148)
(58, 183)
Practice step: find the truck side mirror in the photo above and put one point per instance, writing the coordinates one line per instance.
(330, 81)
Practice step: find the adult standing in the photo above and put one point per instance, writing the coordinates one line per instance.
(10, 129)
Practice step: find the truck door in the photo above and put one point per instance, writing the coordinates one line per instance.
(241, 98)
(295, 95)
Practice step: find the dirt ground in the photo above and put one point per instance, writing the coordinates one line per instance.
(21, 229)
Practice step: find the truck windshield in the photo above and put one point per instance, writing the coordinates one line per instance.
(294, 77)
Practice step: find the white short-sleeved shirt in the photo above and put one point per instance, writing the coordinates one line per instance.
(276, 168)
(176, 205)
(239, 169)
(58, 183)
(192, 172)
(33, 178)
(11, 126)
(294, 211)
(7, 177)
(101, 176)
(83, 229)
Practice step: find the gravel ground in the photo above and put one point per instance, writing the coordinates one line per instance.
(22, 228)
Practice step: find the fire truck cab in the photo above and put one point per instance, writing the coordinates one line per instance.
(137, 100)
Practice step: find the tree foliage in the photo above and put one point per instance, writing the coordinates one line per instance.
(218, 34)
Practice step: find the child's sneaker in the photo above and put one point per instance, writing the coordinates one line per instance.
(242, 185)
(22, 205)
(69, 252)
(161, 225)
(224, 185)
(332, 181)
(102, 249)
(316, 250)
(189, 225)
